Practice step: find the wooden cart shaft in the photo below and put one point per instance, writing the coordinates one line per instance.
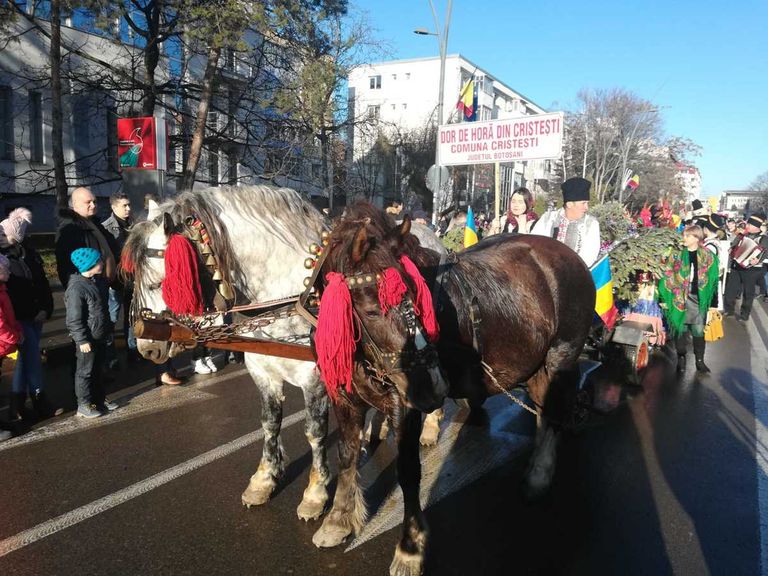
(146, 329)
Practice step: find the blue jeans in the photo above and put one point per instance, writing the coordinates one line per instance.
(28, 376)
(117, 301)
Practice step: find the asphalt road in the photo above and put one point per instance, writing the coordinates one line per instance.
(673, 481)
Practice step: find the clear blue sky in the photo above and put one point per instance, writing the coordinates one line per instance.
(705, 62)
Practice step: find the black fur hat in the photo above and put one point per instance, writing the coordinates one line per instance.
(575, 189)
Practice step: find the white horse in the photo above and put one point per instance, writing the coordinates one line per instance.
(261, 237)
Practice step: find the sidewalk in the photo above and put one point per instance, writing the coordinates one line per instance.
(58, 354)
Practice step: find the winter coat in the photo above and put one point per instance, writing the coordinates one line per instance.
(589, 233)
(117, 230)
(77, 232)
(28, 285)
(87, 310)
(10, 329)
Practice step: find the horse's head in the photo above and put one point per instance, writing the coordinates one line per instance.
(143, 256)
(375, 295)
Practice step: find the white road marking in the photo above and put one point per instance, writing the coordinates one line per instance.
(142, 402)
(760, 395)
(82, 513)
(453, 464)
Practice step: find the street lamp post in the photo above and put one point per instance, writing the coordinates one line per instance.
(442, 40)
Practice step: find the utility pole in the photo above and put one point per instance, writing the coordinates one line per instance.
(442, 40)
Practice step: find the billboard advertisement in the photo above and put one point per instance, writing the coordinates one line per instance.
(142, 143)
(535, 137)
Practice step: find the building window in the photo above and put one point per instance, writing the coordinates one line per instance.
(394, 76)
(6, 123)
(374, 112)
(393, 106)
(82, 120)
(213, 168)
(316, 171)
(375, 82)
(229, 60)
(36, 153)
(407, 75)
(405, 106)
(111, 132)
(232, 169)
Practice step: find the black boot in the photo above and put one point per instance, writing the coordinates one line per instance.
(18, 407)
(41, 405)
(680, 363)
(699, 346)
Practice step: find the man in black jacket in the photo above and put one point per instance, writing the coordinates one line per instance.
(78, 228)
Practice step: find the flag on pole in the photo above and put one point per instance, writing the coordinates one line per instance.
(634, 182)
(604, 306)
(470, 229)
(468, 100)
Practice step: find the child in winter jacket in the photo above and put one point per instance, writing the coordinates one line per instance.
(10, 329)
(88, 325)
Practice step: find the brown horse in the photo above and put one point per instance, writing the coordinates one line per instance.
(511, 310)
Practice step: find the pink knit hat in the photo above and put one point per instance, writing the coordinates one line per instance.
(15, 225)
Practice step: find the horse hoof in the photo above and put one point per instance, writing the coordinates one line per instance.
(310, 510)
(330, 535)
(404, 564)
(429, 436)
(256, 496)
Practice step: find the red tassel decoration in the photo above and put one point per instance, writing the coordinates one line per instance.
(335, 339)
(181, 285)
(423, 305)
(391, 289)
(126, 263)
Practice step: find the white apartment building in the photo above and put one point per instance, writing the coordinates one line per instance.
(690, 180)
(90, 109)
(403, 96)
(89, 118)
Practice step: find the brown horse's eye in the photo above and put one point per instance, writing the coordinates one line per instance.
(372, 313)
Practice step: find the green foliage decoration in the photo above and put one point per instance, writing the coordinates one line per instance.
(632, 249)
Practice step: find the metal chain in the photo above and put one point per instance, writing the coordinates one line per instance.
(489, 371)
(206, 331)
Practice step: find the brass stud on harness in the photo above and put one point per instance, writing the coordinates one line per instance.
(307, 280)
(314, 248)
(309, 263)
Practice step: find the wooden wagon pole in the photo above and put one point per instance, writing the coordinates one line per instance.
(148, 329)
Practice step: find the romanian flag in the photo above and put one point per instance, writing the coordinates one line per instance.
(601, 275)
(634, 182)
(468, 100)
(470, 229)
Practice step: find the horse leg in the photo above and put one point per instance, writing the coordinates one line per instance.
(272, 465)
(431, 428)
(409, 554)
(316, 430)
(542, 466)
(348, 513)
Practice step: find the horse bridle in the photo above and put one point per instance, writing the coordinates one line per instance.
(385, 364)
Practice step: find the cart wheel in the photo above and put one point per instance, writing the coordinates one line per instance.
(637, 357)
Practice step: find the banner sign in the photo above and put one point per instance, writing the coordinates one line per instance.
(535, 137)
(142, 143)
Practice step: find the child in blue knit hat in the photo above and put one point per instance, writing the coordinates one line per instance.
(88, 325)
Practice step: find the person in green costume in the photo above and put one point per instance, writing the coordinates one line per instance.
(685, 290)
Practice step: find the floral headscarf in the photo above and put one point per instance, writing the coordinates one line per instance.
(675, 285)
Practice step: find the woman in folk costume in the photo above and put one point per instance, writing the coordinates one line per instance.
(714, 234)
(686, 289)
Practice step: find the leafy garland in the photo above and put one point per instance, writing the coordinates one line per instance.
(632, 249)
